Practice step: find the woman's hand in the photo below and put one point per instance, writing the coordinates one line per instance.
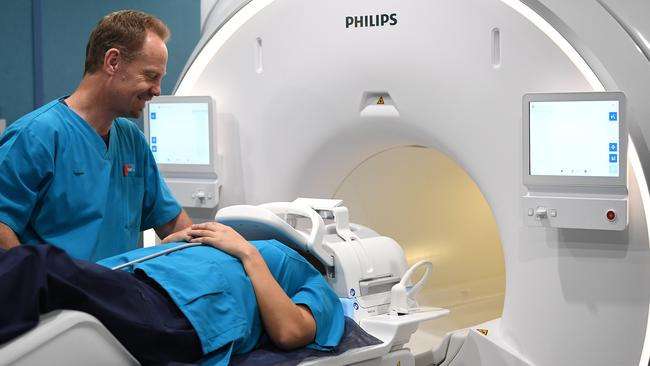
(222, 237)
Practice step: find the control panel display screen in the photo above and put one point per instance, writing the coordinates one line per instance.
(179, 133)
(574, 138)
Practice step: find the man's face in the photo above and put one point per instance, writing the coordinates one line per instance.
(139, 80)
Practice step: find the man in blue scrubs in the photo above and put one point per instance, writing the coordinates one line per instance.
(73, 173)
(182, 305)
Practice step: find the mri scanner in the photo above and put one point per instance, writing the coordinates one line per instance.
(411, 112)
(296, 85)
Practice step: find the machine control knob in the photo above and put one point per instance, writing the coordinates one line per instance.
(611, 215)
(540, 212)
(200, 195)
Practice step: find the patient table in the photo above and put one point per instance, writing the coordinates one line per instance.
(367, 271)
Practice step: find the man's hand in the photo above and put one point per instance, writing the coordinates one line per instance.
(181, 235)
(176, 225)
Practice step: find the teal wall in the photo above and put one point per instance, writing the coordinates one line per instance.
(16, 72)
(66, 25)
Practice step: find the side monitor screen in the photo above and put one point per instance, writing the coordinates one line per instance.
(575, 138)
(179, 133)
(580, 136)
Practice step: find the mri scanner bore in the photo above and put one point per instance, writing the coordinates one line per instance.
(436, 212)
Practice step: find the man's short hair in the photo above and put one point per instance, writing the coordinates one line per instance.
(124, 30)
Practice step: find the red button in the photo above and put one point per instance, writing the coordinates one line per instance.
(611, 215)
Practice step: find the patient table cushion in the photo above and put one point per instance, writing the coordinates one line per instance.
(353, 337)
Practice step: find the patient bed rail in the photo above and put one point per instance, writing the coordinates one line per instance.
(154, 255)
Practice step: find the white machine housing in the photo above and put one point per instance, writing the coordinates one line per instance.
(296, 86)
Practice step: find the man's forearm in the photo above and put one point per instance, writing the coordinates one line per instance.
(8, 238)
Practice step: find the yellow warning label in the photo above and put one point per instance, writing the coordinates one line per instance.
(484, 331)
(381, 101)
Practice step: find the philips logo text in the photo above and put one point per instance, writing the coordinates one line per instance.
(377, 20)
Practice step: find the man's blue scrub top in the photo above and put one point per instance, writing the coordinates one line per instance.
(60, 184)
(213, 291)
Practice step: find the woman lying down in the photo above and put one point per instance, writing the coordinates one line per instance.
(182, 305)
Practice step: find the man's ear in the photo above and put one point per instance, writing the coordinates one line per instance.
(111, 61)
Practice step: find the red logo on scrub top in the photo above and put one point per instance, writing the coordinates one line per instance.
(127, 169)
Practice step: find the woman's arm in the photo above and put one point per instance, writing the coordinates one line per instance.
(287, 324)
